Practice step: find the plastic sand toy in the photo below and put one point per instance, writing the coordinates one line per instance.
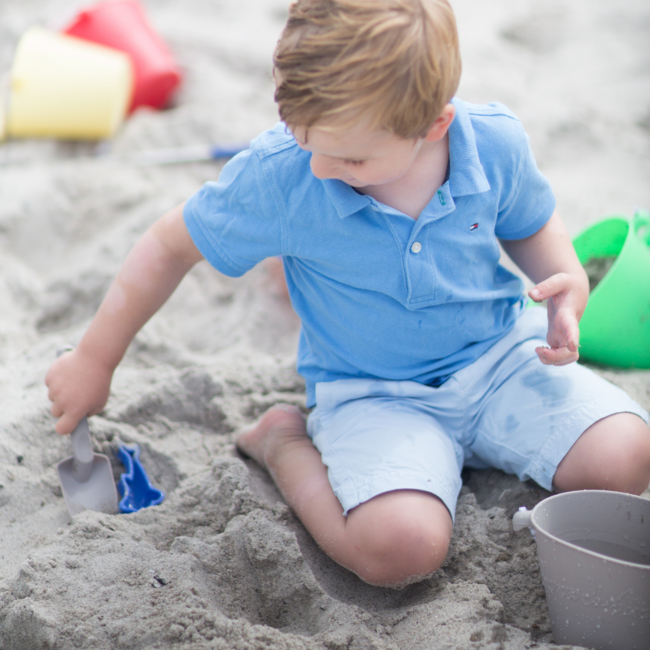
(86, 478)
(63, 87)
(134, 485)
(123, 25)
(615, 327)
(593, 548)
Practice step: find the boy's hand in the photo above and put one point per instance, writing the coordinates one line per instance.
(565, 306)
(548, 258)
(78, 386)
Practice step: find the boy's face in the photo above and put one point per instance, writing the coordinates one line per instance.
(358, 156)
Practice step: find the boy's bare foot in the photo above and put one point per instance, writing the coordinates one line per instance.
(281, 424)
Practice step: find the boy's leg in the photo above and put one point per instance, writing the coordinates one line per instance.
(565, 427)
(612, 454)
(393, 539)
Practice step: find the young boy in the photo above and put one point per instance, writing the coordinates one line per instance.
(386, 198)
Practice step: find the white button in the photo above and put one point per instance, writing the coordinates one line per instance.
(416, 247)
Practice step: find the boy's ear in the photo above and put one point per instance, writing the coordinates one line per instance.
(440, 127)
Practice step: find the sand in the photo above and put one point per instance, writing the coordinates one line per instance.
(223, 563)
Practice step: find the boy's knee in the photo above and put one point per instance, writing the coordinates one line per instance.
(631, 462)
(405, 554)
(613, 454)
(402, 549)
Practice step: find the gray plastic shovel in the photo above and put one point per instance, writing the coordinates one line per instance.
(86, 478)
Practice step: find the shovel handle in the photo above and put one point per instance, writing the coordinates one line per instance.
(82, 451)
(82, 446)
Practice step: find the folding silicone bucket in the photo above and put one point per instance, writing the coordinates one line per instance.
(123, 25)
(615, 327)
(64, 87)
(593, 548)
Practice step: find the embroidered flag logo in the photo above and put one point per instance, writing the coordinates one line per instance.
(474, 226)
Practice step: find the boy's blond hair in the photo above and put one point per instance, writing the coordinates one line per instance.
(394, 63)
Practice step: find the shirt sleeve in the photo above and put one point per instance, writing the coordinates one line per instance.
(234, 221)
(528, 200)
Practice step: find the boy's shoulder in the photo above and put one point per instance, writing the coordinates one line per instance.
(497, 136)
(274, 141)
(493, 121)
(491, 110)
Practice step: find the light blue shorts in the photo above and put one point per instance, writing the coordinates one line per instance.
(506, 410)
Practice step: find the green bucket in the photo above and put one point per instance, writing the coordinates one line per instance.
(615, 327)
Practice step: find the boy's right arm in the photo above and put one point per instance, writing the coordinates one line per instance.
(79, 381)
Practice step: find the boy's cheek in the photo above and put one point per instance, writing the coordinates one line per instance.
(319, 168)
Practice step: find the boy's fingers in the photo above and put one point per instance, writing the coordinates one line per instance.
(570, 329)
(51, 393)
(67, 423)
(556, 357)
(549, 287)
(573, 339)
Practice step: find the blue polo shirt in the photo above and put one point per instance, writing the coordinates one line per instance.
(380, 294)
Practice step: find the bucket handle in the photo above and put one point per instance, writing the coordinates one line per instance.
(641, 222)
(523, 519)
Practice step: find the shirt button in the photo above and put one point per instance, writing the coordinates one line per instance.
(416, 247)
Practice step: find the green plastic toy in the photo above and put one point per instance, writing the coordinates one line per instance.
(615, 327)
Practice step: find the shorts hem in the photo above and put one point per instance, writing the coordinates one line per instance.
(351, 496)
(560, 444)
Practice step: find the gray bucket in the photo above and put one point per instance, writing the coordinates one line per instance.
(593, 548)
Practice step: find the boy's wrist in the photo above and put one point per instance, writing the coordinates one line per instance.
(581, 291)
(99, 353)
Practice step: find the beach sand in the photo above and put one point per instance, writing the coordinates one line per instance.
(223, 563)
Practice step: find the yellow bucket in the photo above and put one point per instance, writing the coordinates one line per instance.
(64, 87)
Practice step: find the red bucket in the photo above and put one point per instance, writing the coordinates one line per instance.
(122, 25)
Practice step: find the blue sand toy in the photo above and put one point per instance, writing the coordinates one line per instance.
(134, 485)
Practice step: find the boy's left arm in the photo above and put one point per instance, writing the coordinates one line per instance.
(549, 259)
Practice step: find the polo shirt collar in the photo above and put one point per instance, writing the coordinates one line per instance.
(345, 200)
(466, 174)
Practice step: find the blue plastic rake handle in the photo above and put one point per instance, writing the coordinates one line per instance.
(179, 155)
(217, 152)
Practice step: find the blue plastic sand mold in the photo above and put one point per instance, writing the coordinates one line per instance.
(134, 485)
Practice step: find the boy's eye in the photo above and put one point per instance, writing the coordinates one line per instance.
(354, 163)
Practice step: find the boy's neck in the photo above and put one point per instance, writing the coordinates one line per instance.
(412, 192)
